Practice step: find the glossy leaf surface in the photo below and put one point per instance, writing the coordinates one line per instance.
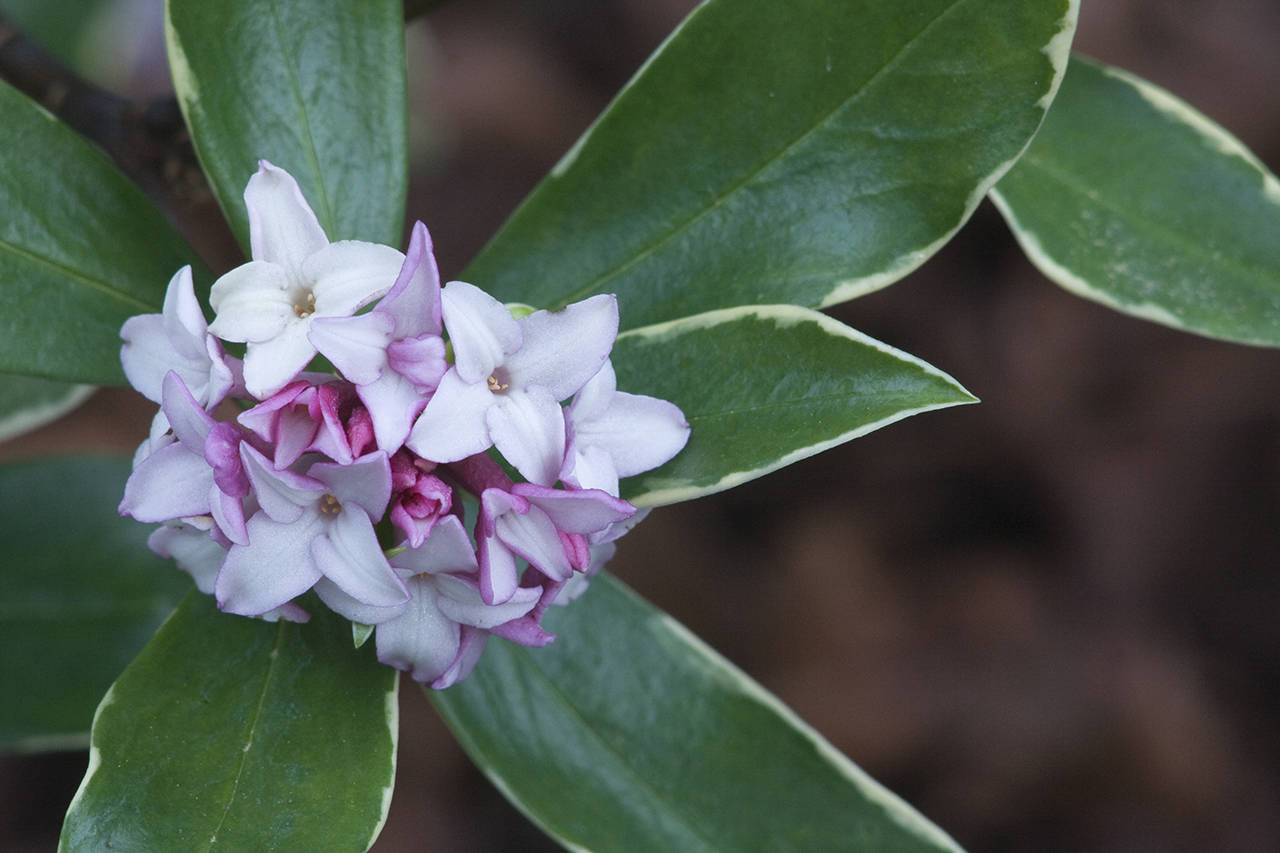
(318, 91)
(1131, 198)
(82, 595)
(238, 734)
(81, 250)
(766, 386)
(628, 733)
(27, 403)
(802, 153)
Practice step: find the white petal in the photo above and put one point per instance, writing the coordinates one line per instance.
(591, 467)
(271, 365)
(452, 426)
(414, 300)
(393, 403)
(350, 556)
(274, 568)
(481, 330)
(344, 276)
(251, 302)
(194, 550)
(365, 483)
(282, 227)
(563, 349)
(422, 639)
(639, 432)
(147, 354)
(341, 603)
(527, 427)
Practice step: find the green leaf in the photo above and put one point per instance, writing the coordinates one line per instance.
(27, 403)
(1133, 199)
(802, 153)
(764, 387)
(628, 733)
(319, 92)
(82, 595)
(243, 733)
(81, 250)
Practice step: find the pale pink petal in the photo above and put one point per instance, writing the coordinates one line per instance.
(357, 346)
(414, 300)
(590, 468)
(351, 608)
(447, 549)
(170, 483)
(195, 552)
(481, 329)
(563, 349)
(460, 600)
(576, 511)
(188, 420)
(527, 427)
(420, 359)
(274, 568)
(366, 482)
(184, 319)
(283, 495)
(349, 555)
(282, 227)
(534, 537)
(470, 647)
(422, 640)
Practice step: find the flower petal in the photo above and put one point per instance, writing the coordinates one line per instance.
(639, 432)
(393, 403)
(481, 329)
(576, 511)
(527, 427)
(282, 227)
(345, 275)
(452, 426)
(460, 600)
(274, 568)
(283, 495)
(421, 640)
(563, 349)
(270, 365)
(365, 483)
(348, 554)
(447, 549)
(414, 300)
(357, 346)
(171, 483)
(252, 303)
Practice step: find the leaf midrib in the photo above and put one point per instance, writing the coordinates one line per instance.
(77, 276)
(273, 657)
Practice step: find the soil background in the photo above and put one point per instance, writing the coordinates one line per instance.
(1048, 621)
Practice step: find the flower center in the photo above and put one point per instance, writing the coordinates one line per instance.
(329, 506)
(496, 385)
(305, 304)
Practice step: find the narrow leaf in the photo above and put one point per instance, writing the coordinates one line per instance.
(27, 403)
(764, 387)
(628, 733)
(802, 153)
(81, 250)
(240, 734)
(1131, 198)
(82, 595)
(319, 92)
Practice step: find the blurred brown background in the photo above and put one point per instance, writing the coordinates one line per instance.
(1048, 621)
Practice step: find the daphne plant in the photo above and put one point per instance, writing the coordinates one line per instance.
(350, 450)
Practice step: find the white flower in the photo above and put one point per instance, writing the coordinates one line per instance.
(296, 275)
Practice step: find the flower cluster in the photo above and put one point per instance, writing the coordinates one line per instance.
(352, 483)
